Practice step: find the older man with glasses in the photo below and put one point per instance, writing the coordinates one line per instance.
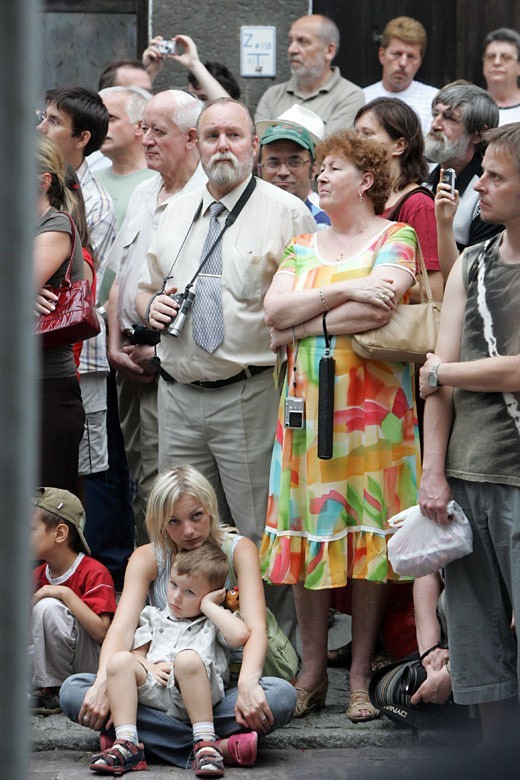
(287, 156)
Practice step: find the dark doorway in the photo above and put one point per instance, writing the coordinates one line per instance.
(455, 28)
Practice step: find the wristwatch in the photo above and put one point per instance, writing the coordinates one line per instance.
(433, 379)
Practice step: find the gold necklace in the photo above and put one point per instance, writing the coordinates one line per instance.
(359, 233)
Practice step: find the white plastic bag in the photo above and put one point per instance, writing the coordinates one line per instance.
(420, 546)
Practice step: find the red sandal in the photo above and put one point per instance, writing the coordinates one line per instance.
(241, 749)
(123, 756)
(208, 760)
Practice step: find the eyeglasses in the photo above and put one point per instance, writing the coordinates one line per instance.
(293, 163)
(502, 56)
(51, 119)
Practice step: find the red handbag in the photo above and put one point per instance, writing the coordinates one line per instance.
(75, 317)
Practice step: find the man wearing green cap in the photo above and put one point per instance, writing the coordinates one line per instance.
(287, 161)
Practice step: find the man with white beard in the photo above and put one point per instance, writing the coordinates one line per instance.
(461, 113)
(217, 400)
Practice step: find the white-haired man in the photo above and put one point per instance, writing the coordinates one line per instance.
(169, 142)
(123, 145)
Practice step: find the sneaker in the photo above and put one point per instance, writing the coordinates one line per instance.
(46, 701)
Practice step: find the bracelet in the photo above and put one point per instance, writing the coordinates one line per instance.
(430, 650)
(324, 300)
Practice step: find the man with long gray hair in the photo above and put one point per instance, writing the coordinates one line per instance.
(462, 112)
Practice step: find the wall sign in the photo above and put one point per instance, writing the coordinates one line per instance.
(257, 51)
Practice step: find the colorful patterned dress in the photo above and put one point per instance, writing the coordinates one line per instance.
(327, 519)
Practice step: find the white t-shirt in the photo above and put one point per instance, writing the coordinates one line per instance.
(509, 114)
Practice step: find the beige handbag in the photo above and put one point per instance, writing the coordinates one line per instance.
(410, 334)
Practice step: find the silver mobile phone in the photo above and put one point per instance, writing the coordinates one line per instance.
(448, 177)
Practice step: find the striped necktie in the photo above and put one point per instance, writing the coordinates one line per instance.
(207, 314)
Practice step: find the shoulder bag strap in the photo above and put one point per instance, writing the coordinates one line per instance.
(393, 214)
(422, 277)
(68, 273)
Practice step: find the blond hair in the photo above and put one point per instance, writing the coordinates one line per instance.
(507, 139)
(49, 159)
(207, 562)
(169, 487)
(406, 29)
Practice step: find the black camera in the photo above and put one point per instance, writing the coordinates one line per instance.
(413, 677)
(147, 336)
(185, 301)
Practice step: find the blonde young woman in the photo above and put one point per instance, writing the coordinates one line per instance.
(182, 514)
(55, 240)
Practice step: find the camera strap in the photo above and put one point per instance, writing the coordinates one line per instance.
(296, 349)
(230, 219)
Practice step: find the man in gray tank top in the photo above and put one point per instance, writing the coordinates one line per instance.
(472, 445)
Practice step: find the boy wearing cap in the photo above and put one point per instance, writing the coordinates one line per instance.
(287, 155)
(73, 601)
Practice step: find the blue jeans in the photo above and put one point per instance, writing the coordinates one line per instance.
(170, 741)
(109, 527)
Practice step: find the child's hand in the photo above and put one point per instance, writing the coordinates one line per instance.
(215, 597)
(50, 591)
(160, 671)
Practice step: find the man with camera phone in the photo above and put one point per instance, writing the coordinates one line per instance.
(222, 243)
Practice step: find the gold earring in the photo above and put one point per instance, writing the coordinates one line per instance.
(360, 196)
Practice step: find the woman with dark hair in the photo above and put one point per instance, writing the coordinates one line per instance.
(327, 519)
(397, 127)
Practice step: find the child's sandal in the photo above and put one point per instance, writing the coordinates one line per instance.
(208, 760)
(123, 756)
